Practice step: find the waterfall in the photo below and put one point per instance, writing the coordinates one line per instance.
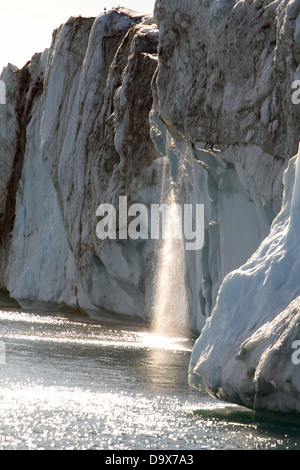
(169, 304)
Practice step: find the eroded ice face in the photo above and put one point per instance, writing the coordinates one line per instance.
(245, 352)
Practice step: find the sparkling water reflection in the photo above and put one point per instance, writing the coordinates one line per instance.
(76, 384)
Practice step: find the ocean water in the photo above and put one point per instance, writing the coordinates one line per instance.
(67, 382)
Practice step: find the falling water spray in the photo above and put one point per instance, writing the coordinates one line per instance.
(170, 304)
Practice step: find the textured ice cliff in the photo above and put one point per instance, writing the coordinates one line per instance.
(202, 93)
(228, 112)
(231, 97)
(77, 134)
(244, 353)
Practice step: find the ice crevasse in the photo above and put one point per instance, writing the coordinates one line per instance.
(247, 351)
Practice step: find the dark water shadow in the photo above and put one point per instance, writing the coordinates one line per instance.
(277, 426)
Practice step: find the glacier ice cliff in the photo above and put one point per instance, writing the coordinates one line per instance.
(203, 93)
(228, 113)
(77, 134)
(245, 351)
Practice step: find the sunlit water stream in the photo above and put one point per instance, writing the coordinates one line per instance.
(70, 383)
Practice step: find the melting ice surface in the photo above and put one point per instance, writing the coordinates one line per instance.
(70, 383)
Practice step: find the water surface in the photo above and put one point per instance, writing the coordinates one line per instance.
(72, 383)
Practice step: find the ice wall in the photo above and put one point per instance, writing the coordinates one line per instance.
(245, 351)
(77, 134)
(235, 64)
(228, 111)
(230, 105)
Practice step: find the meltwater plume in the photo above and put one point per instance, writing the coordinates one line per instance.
(170, 305)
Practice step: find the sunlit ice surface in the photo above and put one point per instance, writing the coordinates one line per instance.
(78, 384)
